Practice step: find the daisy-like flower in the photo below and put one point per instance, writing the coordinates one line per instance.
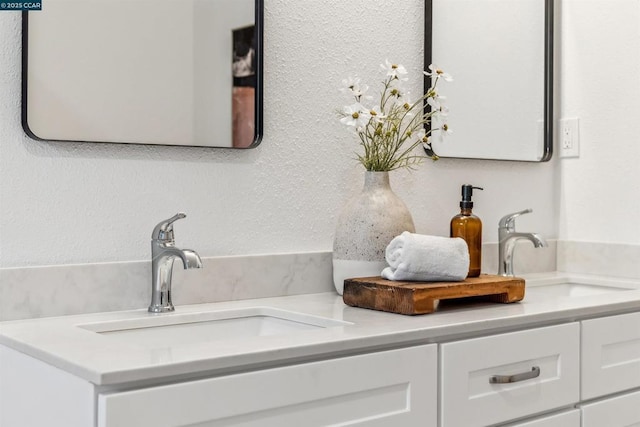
(396, 92)
(422, 136)
(349, 83)
(436, 101)
(437, 72)
(376, 114)
(445, 131)
(437, 105)
(404, 101)
(356, 115)
(353, 87)
(441, 112)
(395, 71)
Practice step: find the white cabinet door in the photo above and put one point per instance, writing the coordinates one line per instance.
(610, 355)
(543, 364)
(621, 411)
(563, 419)
(397, 387)
(34, 394)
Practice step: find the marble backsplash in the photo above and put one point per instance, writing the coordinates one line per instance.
(604, 259)
(88, 288)
(74, 289)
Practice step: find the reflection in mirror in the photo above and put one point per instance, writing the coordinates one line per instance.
(170, 72)
(500, 53)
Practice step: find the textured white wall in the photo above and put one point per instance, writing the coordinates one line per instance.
(600, 70)
(64, 203)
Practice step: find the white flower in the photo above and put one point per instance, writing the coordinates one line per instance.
(349, 83)
(395, 71)
(437, 72)
(356, 115)
(352, 86)
(404, 101)
(425, 140)
(376, 114)
(397, 91)
(436, 102)
(406, 106)
(419, 137)
(422, 136)
(445, 131)
(443, 111)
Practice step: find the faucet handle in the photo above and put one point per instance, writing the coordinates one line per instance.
(508, 221)
(164, 230)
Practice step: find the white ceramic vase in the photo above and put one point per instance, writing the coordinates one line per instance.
(365, 227)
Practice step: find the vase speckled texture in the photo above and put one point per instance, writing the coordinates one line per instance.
(365, 227)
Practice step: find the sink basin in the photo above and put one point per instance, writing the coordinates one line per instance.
(575, 289)
(193, 328)
(571, 287)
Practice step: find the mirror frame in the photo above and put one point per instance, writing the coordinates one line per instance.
(258, 99)
(548, 74)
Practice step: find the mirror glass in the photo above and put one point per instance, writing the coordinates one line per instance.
(170, 72)
(500, 55)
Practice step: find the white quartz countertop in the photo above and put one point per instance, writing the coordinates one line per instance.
(105, 360)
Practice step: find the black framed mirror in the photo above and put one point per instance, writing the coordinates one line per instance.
(500, 53)
(164, 72)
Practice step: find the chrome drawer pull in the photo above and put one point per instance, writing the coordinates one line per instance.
(505, 379)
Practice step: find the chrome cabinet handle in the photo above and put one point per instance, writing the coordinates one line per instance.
(506, 379)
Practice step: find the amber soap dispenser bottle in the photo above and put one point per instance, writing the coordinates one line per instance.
(469, 227)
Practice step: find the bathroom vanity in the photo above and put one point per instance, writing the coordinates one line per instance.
(568, 355)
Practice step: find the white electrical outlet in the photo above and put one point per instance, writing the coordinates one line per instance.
(569, 138)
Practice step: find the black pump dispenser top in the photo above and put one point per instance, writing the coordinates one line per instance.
(467, 192)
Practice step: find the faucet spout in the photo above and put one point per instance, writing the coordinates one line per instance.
(190, 259)
(537, 240)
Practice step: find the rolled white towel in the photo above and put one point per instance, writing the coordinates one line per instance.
(417, 257)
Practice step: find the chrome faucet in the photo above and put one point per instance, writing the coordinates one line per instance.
(163, 254)
(508, 236)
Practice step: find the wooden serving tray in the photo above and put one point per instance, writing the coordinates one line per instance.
(420, 297)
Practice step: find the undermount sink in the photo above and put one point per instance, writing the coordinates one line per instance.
(575, 289)
(193, 328)
(570, 288)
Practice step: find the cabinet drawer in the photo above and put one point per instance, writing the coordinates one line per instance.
(621, 411)
(564, 419)
(397, 387)
(610, 355)
(470, 399)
